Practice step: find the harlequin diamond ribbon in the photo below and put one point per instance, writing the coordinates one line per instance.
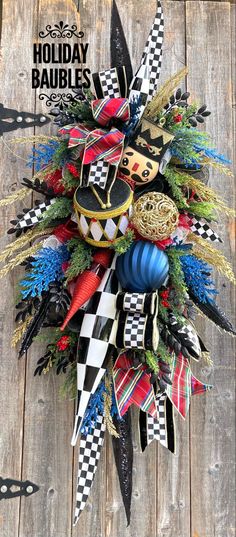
(132, 386)
(184, 384)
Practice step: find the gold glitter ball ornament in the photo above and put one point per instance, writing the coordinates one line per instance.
(155, 216)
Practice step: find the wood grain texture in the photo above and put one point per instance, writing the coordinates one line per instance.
(187, 495)
(173, 499)
(212, 420)
(15, 94)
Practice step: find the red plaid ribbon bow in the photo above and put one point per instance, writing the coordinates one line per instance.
(101, 144)
(132, 386)
(184, 385)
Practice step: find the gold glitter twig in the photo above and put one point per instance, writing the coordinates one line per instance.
(205, 192)
(20, 330)
(20, 258)
(204, 250)
(218, 166)
(15, 196)
(206, 356)
(161, 98)
(36, 139)
(108, 402)
(22, 241)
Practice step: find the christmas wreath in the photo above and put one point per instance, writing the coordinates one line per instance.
(118, 256)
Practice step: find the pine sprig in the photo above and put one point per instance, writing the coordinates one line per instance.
(69, 181)
(60, 156)
(178, 195)
(163, 352)
(178, 180)
(61, 209)
(69, 387)
(123, 244)
(81, 258)
(152, 361)
(176, 274)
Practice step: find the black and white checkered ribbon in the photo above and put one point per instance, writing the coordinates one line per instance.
(201, 228)
(35, 215)
(137, 302)
(89, 454)
(137, 329)
(144, 84)
(162, 428)
(111, 83)
(96, 342)
(156, 427)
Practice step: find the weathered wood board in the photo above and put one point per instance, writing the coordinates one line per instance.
(191, 494)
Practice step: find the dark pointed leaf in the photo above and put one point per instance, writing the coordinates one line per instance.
(202, 109)
(199, 118)
(206, 113)
(185, 96)
(178, 94)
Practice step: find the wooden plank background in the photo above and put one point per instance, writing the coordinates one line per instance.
(191, 494)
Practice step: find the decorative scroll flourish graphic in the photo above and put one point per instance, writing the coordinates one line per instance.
(61, 30)
(55, 98)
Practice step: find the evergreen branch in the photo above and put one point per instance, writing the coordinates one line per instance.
(81, 258)
(62, 208)
(163, 352)
(123, 244)
(152, 361)
(176, 274)
(69, 387)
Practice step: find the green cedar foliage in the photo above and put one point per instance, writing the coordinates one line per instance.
(81, 257)
(59, 210)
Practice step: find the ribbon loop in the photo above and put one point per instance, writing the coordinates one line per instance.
(106, 109)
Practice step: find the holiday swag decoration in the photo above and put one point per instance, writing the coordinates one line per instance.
(118, 254)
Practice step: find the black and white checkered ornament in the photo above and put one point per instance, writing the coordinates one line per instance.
(34, 215)
(89, 454)
(201, 228)
(162, 428)
(96, 342)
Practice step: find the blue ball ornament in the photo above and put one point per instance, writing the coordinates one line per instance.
(143, 268)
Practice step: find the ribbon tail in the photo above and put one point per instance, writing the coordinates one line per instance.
(89, 454)
(161, 428)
